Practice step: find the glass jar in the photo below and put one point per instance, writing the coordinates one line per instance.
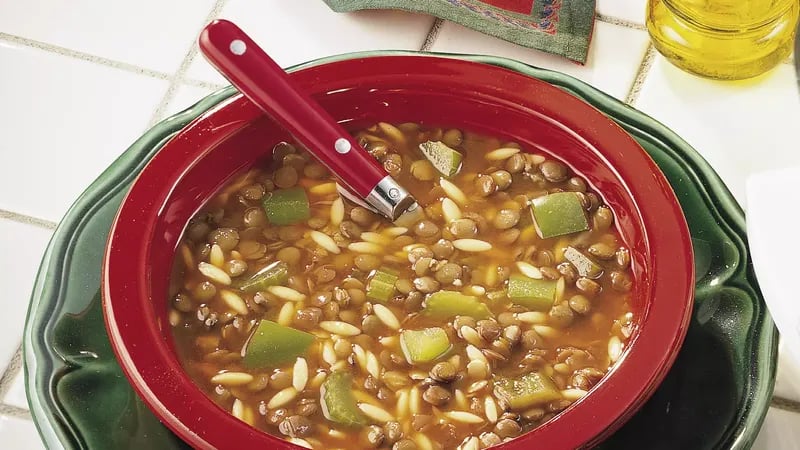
(723, 39)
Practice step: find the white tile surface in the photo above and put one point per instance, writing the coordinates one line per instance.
(739, 127)
(19, 434)
(300, 30)
(63, 121)
(787, 383)
(69, 120)
(16, 392)
(151, 33)
(781, 431)
(631, 10)
(185, 96)
(614, 55)
(22, 248)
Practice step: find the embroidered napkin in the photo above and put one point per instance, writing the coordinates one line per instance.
(562, 27)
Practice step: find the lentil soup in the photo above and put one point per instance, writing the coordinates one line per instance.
(317, 321)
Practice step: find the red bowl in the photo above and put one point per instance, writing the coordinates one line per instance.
(483, 98)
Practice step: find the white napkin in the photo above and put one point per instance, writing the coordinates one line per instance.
(773, 231)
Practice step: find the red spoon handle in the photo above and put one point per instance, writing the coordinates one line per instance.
(259, 78)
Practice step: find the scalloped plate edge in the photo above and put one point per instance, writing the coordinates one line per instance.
(48, 285)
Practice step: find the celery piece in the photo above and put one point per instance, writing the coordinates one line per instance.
(271, 345)
(528, 390)
(537, 295)
(583, 264)
(381, 286)
(272, 275)
(338, 402)
(286, 206)
(446, 304)
(420, 346)
(446, 160)
(559, 213)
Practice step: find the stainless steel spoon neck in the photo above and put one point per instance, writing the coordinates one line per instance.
(389, 198)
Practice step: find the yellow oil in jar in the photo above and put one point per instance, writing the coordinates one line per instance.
(723, 39)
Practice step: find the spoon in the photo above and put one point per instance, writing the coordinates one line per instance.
(236, 56)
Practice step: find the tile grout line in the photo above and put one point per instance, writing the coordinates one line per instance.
(10, 372)
(88, 57)
(433, 33)
(619, 22)
(785, 404)
(178, 77)
(203, 84)
(27, 220)
(641, 75)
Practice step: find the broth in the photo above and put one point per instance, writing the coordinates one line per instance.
(501, 307)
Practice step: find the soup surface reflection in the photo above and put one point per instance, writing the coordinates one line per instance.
(317, 321)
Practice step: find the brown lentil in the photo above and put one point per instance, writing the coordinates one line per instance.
(362, 216)
(426, 228)
(502, 179)
(226, 238)
(554, 171)
(295, 426)
(623, 258)
(506, 218)
(448, 273)
(507, 428)
(453, 138)
(444, 372)
(515, 164)
(620, 281)
(485, 185)
(580, 304)
(602, 251)
(436, 395)
(393, 432)
(463, 228)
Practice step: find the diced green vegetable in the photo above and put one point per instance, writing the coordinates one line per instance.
(272, 275)
(446, 304)
(444, 159)
(271, 345)
(538, 295)
(528, 390)
(381, 286)
(420, 346)
(559, 213)
(583, 264)
(286, 206)
(338, 402)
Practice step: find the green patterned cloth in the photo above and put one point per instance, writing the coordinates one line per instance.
(562, 27)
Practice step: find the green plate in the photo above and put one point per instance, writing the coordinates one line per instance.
(716, 395)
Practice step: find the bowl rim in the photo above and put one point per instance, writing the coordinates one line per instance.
(666, 325)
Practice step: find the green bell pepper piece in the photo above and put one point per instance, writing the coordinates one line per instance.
(381, 286)
(583, 264)
(286, 206)
(534, 294)
(446, 160)
(446, 304)
(528, 390)
(558, 214)
(272, 275)
(421, 346)
(272, 345)
(338, 402)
